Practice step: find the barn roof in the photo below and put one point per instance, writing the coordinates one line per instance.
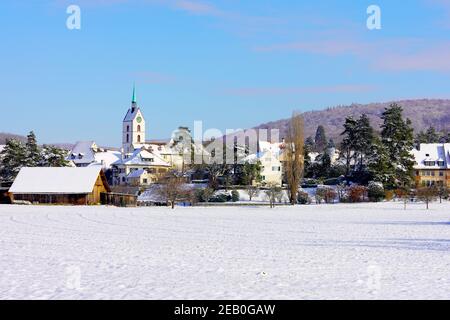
(51, 180)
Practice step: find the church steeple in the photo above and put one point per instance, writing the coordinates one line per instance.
(133, 99)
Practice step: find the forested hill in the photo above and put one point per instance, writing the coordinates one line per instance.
(6, 136)
(423, 114)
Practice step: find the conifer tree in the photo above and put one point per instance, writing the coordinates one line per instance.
(33, 153)
(364, 139)
(53, 157)
(13, 158)
(320, 139)
(397, 137)
(348, 145)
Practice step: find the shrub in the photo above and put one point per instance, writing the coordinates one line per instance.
(375, 191)
(357, 193)
(235, 196)
(389, 195)
(303, 198)
(332, 181)
(220, 198)
(325, 193)
(203, 195)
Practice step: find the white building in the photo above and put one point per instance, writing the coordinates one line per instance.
(87, 153)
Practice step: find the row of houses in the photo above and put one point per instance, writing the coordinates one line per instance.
(95, 171)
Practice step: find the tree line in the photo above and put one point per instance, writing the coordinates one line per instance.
(17, 154)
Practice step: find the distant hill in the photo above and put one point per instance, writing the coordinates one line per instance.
(6, 136)
(423, 113)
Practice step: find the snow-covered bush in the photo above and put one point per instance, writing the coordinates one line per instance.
(326, 194)
(235, 196)
(375, 191)
(303, 198)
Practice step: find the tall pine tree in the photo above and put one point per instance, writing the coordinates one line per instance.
(398, 139)
(33, 152)
(13, 158)
(320, 139)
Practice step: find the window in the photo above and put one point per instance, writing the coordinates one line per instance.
(139, 138)
(441, 173)
(430, 163)
(139, 128)
(128, 128)
(441, 163)
(145, 181)
(128, 138)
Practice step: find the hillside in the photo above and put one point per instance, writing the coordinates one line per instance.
(6, 136)
(423, 113)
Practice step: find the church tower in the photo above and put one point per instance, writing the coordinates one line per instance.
(133, 127)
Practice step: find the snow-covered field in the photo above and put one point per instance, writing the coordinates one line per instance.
(361, 251)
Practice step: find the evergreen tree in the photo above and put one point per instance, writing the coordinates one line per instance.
(13, 158)
(397, 137)
(53, 157)
(349, 143)
(429, 136)
(309, 143)
(364, 139)
(331, 144)
(379, 163)
(320, 139)
(33, 154)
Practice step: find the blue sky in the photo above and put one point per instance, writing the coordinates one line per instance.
(233, 64)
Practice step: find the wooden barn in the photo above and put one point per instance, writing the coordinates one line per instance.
(67, 185)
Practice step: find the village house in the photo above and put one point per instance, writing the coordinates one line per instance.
(270, 159)
(87, 153)
(432, 165)
(62, 185)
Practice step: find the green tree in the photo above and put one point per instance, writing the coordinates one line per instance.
(251, 172)
(13, 158)
(397, 137)
(429, 136)
(53, 157)
(33, 152)
(320, 139)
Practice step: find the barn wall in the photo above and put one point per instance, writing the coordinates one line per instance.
(99, 188)
(73, 199)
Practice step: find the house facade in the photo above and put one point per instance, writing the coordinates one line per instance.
(432, 165)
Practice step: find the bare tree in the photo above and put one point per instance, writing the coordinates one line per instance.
(427, 194)
(273, 193)
(294, 156)
(252, 191)
(172, 188)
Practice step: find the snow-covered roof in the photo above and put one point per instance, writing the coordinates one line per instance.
(136, 173)
(107, 158)
(2, 146)
(82, 152)
(132, 113)
(432, 152)
(64, 180)
(144, 158)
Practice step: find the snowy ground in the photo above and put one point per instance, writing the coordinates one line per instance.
(362, 251)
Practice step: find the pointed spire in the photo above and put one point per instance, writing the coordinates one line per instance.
(133, 100)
